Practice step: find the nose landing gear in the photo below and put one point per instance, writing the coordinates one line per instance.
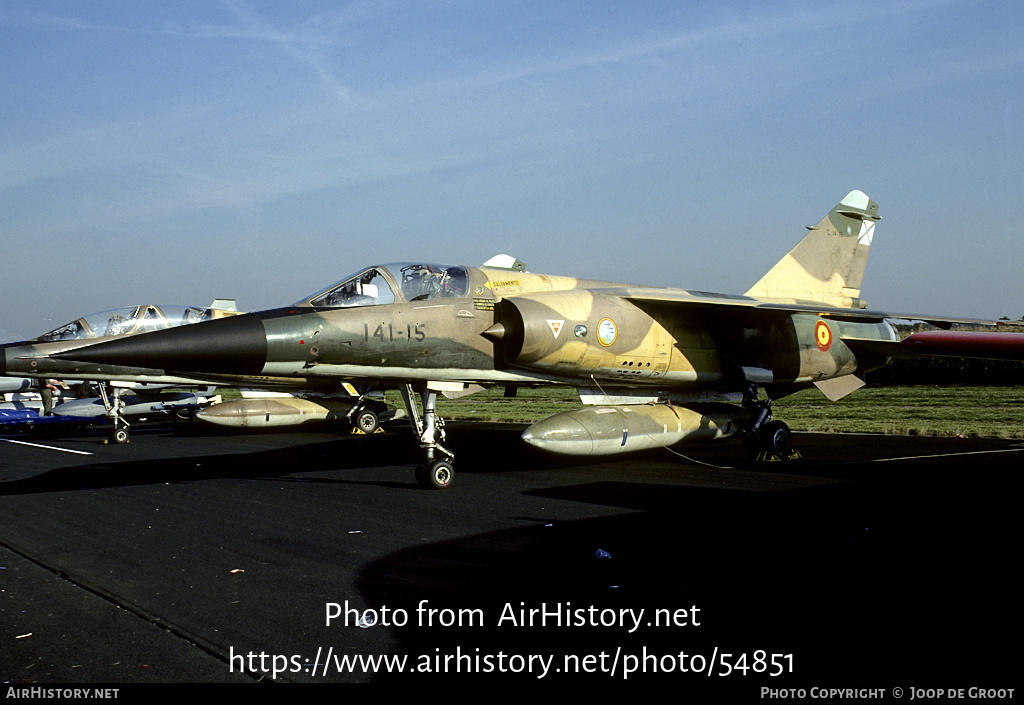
(114, 407)
(432, 473)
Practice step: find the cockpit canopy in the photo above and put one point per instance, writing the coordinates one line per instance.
(389, 283)
(122, 321)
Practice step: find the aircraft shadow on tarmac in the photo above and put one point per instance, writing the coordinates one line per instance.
(863, 572)
(494, 447)
(397, 447)
(854, 578)
(332, 454)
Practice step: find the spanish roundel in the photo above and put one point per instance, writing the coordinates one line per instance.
(823, 336)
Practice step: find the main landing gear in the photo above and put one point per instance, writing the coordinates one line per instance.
(433, 472)
(767, 440)
(363, 418)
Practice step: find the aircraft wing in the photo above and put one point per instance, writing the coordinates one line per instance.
(675, 297)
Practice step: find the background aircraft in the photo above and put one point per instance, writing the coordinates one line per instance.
(654, 366)
(257, 408)
(28, 360)
(31, 358)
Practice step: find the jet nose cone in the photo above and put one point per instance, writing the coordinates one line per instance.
(236, 345)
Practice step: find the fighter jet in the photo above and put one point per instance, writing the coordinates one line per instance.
(653, 366)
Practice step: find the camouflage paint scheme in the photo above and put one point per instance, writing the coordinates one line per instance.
(658, 365)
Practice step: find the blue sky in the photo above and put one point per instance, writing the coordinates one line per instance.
(174, 152)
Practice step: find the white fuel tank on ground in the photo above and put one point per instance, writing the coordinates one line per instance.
(283, 411)
(275, 412)
(607, 430)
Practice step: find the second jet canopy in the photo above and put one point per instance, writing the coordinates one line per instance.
(130, 319)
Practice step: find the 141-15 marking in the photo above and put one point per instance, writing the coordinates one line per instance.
(388, 332)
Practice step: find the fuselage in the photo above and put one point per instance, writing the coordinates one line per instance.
(399, 323)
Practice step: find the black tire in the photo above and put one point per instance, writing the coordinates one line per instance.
(436, 476)
(778, 439)
(367, 421)
(119, 436)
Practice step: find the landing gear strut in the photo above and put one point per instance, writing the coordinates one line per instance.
(432, 472)
(767, 440)
(113, 405)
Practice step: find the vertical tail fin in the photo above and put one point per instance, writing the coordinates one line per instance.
(828, 264)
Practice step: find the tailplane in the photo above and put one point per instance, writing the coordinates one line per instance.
(828, 264)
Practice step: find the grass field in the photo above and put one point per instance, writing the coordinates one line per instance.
(988, 412)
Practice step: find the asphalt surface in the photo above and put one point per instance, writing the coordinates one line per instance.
(874, 561)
